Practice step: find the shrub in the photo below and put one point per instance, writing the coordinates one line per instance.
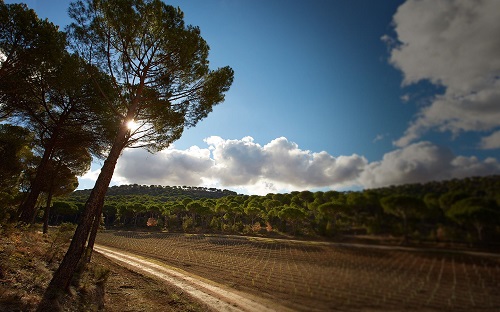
(187, 223)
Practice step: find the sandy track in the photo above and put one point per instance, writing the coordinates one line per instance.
(217, 297)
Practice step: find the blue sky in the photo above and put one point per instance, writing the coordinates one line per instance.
(334, 95)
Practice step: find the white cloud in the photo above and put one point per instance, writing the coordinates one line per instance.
(278, 166)
(168, 167)
(491, 142)
(421, 162)
(91, 175)
(281, 166)
(453, 44)
(379, 137)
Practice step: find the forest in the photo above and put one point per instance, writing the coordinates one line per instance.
(465, 210)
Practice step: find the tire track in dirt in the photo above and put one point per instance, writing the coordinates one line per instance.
(214, 296)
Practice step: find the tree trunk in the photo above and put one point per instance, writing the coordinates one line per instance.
(93, 233)
(405, 230)
(479, 228)
(27, 211)
(46, 214)
(64, 274)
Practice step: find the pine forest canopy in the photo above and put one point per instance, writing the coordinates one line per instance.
(460, 209)
(159, 190)
(159, 66)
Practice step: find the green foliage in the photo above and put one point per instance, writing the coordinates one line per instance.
(320, 213)
(16, 156)
(476, 212)
(51, 92)
(158, 64)
(187, 223)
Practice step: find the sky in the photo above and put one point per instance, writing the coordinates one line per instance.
(341, 95)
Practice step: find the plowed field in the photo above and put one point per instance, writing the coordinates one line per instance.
(308, 276)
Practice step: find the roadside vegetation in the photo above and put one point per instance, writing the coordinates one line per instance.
(28, 259)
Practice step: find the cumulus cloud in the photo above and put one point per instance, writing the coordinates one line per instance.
(491, 142)
(242, 164)
(422, 162)
(168, 167)
(281, 163)
(453, 44)
(282, 166)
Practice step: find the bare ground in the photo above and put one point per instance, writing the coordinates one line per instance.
(301, 276)
(313, 276)
(130, 291)
(213, 296)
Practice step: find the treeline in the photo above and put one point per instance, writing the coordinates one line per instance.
(168, 193)
(466, 210)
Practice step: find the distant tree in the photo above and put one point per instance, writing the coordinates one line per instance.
(253, 212)
(160, 70)
(434, 211)
(66, 210)
(198, 211)
(306, 197)
(15, 155)
(254, 209)
(447, 199)
(405, 208)
(293, 216)
(476, 212)
(332, 211)
(61, 182)
(61, 174)
(270, 204)
(109, 212)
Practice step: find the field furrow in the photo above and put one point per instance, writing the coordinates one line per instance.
(325, 277)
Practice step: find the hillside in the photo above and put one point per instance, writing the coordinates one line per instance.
(167, 193)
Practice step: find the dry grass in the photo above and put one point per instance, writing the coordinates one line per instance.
(28, 259)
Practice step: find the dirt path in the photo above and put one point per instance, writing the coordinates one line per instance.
(215, 296)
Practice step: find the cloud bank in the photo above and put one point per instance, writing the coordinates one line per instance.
(453, 44)
(282, 166)
(241, 164)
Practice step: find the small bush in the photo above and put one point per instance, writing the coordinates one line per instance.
(187, 223)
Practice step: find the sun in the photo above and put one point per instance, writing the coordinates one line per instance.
(132, 125)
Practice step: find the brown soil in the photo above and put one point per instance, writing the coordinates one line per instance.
(215, 296)
(302, 276)
(129, 291)
(315, 276)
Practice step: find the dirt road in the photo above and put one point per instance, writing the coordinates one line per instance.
(215, 296)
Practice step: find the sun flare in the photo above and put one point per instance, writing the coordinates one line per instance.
(132, 125)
